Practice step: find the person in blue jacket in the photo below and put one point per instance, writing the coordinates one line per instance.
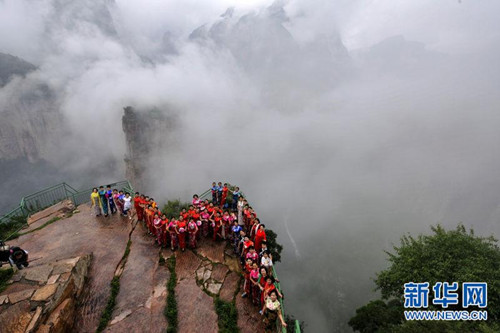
(109, 196)
(104, 200)
(215, 193)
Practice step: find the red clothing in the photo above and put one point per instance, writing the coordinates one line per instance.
(267, 289)
(248, 283)
(217, 227)
(192, 234)
(224, 195)
(260, 236)
(165, 233)
(182, 235)
(246, 245)
(173, 235)
(138, 208)
(149, 220)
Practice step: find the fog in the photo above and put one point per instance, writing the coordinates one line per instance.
(346, 123)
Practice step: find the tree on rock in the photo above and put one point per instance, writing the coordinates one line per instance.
(444, 256)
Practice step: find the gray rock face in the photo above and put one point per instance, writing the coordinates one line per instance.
(138, 126)
(30, 119)
(288, 72)
(32, 122)
(11, 66)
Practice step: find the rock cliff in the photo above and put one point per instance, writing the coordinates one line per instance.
(30, 116)
(145, 132)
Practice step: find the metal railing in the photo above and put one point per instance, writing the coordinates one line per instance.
(51, 195)
(208, 195)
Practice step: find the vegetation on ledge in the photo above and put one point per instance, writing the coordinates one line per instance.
(173, 208)
(170, 311)
(228, 316)
(115, 289)
(108, 311)
(5, 275)
(10, 230)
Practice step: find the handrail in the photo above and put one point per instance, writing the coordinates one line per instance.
(48, 196)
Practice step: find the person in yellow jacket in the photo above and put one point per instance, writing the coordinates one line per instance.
(95, 201)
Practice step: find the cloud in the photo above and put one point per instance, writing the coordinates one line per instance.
(357, 121)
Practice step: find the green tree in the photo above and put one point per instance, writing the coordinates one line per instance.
(273, 245)
(444, 256)
(173, 208)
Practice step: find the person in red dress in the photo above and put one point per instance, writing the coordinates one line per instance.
(260, 236)
(137, 202)
(224, 195)
(184, 214)
(197, 219)
(181, 233)
(255, 289)
(246, 273)
(226, 225)
(268, 287)
(157, 226)
(217, 225)
(148, 216)
(192, 229)
(261, 283)
(252, 255)
(190, 212)
(172, 229)
(205, 221)
(164, 230)
(246, 245)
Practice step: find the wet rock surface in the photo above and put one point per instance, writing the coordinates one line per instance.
(213, 251)
(60, 210)
(50, 296)
(196, 308)
(249, 319)
(141, 300)
(229, 287)
(78, 235)
(219, 272)
(31, 301)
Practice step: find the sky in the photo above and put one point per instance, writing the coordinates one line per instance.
(346, 123)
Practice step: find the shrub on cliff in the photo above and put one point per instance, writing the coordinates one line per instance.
(173, 208)
(444, 256)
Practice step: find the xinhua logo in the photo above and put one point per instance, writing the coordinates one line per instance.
(474, 294)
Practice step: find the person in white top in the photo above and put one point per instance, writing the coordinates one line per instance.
(127, 204)
(241, 205)
(267, 262)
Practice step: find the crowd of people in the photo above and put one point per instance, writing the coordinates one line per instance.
(219, 220)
